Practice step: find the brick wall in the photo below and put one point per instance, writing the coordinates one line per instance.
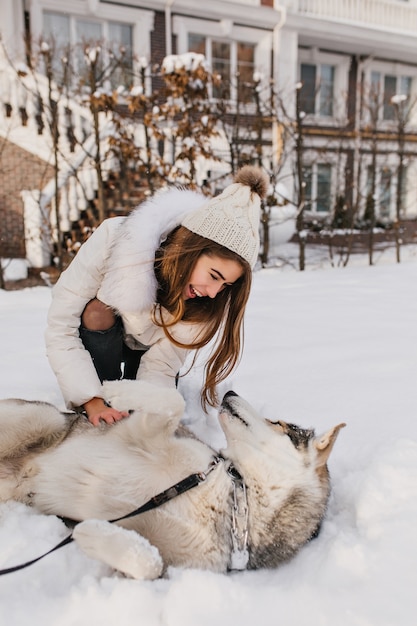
(158, 38)
(158, 45)
(18, 170)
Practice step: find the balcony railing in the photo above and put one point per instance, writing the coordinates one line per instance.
(385, 14)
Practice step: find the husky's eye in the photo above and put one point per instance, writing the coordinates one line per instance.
(300, 437)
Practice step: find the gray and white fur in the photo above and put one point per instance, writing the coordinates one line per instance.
(60, 464)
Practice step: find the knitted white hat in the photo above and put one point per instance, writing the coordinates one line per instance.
(232, 218)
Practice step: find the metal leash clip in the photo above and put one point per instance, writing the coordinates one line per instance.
(240, 514)
(213, 464)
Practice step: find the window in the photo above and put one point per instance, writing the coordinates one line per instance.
(68, 32)
(383, 88)
(318, 178)
(386, 180)
(234, 62)
(387, 198)
(317, 92)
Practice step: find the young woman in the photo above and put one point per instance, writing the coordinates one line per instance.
(146, 289)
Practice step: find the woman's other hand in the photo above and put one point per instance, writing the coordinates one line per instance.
(97, 410)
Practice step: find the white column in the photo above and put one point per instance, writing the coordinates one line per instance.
(37, 232)
(12, 27)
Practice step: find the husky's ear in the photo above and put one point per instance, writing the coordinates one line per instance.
(324, 444)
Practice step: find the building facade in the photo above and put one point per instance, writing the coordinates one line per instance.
(347, 66)
(356, 63)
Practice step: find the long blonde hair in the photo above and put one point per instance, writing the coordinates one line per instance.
(221, 316)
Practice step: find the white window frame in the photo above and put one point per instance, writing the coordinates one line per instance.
(233, 58)
(141, 20)
(312, 210)
(232, 34)
(398, 70)
(313, 56)
(391, 164)
(313, 157)
(75, 42)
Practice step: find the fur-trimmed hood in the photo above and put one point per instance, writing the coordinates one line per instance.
(129, 283)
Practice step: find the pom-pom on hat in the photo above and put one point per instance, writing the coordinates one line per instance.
(232, 218)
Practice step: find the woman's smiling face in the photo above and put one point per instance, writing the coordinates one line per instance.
(211, 275)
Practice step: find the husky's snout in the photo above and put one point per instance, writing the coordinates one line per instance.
(227, 396)
(227, 402)
(231, 406)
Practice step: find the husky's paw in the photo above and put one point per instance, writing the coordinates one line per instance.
(127, 395)
(124, 550)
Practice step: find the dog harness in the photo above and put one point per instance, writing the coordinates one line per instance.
(239, 528)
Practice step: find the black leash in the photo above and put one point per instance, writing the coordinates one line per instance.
(63, 543)
(176, 490)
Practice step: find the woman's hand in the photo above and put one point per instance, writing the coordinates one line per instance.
(97, 410)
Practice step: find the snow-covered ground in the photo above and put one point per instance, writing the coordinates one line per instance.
(322, 346)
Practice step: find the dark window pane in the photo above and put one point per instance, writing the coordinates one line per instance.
(220, 60)
(56, 31)
(88, 35)
(246, 67)
(390, 86)
(326, 89)
(308, 189)
(120, 36)
(374, 103)
(385, 193)
(88, 32)
(324, 173)
(197, 43)
(308, 90)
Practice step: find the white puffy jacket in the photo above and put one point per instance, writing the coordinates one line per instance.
(116, 265)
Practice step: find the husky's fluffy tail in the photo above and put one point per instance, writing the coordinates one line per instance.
(26, 425)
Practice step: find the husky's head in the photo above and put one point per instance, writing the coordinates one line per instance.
(285, 471)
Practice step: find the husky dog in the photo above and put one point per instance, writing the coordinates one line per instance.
(257, 504)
